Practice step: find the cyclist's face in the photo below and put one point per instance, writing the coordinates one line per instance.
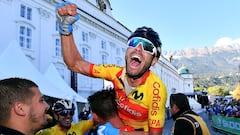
(138, 61)
(65, 121)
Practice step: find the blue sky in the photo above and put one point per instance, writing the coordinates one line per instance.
(182, 23)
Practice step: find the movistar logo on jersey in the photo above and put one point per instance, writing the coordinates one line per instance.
(136, 96)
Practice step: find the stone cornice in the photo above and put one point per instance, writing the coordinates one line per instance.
(101, 28)
(44, 13)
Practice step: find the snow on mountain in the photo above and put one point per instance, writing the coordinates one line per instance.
(224, 56)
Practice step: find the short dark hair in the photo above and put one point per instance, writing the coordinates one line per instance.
(180, 100)
(103, 103)
(11, 91)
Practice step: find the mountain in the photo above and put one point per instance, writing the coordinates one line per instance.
(223, 57)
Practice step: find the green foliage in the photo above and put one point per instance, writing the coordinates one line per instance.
(218, 85)
(198, 89)
(217, 91)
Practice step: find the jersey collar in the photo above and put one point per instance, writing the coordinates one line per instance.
(122, 75)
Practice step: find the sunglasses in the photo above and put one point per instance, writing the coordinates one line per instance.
(66, 113)
(147, 45)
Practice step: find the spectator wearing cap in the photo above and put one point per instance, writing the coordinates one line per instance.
(186, 121)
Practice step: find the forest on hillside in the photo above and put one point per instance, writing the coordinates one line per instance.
(218, 85)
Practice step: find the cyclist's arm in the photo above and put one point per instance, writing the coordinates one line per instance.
(72, 57)
(85, 125)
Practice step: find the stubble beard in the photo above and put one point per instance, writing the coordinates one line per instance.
(140, 74)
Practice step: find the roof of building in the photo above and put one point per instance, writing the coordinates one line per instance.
(183, 70)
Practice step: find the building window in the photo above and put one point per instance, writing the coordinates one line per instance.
(119, 62)
(104, 59)
(57, 26)
(84, 37)
(58, 51)
(26, 12)
(21, 36)
(118, 51)
(103, 45)
(29, 38)
(25, 37)
(22, 11)
(29, 13)
(85, 53)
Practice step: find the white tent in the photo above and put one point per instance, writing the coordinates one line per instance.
(54, 77)
(196, 107)
(13, 63)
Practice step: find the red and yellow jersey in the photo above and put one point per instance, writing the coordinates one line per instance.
(76, 129)
(144, 106)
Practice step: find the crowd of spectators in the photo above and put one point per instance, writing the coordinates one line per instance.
(224, 107)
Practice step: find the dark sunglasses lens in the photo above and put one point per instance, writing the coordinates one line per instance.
(71, 113)
(66, 112)
(148, 47)
(63, 113)
(133, 42)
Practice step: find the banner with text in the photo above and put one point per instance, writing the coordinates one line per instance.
(228, 124)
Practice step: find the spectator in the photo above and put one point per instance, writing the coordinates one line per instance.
(84, 114)
(23, 108)
(186, 122)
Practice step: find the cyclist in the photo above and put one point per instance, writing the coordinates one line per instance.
(141, 95)
(63, 111)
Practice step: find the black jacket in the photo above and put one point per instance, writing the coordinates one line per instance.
(183, 127)
(9, 131)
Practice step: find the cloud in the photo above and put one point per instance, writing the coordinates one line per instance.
(223, 41)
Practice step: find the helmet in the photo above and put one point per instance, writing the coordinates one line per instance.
(63, 105)
(150, 34)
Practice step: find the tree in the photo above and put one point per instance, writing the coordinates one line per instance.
(236, 92)
(217, 91)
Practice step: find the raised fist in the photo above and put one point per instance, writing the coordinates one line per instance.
(66, 13)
